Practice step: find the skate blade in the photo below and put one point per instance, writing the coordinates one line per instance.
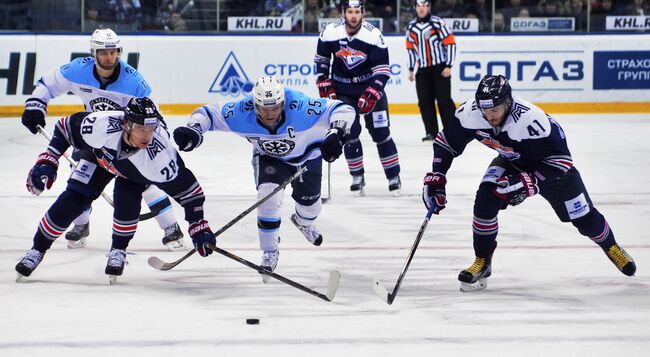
(176, 245)
(112, 279)
(19, 277)
(76, 244)
(360, 193)
(396, 193)
(471, 287)
(266, 279)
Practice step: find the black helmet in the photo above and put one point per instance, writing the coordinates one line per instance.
(493, 91)
(345, 4)
(142, 111)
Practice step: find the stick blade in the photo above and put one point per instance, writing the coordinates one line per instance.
(333, 284)
(158, 263)
(381, 291)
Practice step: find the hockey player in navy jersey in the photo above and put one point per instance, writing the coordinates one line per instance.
(352, 65)
(289, 130)
(533, 158)
(131, 145)
(103, 82)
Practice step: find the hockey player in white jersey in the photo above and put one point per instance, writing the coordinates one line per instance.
(103, 82)
(131, 145)
(289, 130)
(533, 158)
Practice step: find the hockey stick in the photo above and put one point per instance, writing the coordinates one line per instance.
(329, 184)
(159, 264)
(332, 284)
(143, 217)
(379, 288)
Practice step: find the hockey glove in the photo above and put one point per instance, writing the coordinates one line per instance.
(514, 189)
(34, 115)
(43, 174)
(187, 138)
(433, 192)
(326, 89)
(368, 100)
(202, 235)
(332, 146)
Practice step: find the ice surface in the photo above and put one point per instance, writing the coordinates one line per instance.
(552, 292)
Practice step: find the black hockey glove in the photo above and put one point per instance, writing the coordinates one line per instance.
(43, 174)
(433, 192)
(187, 138)
(34, 115)
(202, 235)
(332, 146)
(514, 189)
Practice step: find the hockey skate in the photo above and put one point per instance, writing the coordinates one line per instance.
(115, 264)
(310, 232)
(28, 263)
(621, 259)
(395, 185)
(475, 277)
(269, 262)
(76, 237)
(173, 238)
(358, 183)
(429, 137)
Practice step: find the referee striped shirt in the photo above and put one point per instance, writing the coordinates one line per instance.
(430, 43)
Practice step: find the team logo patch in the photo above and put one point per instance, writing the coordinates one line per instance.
(83, 171)
(577, 207)
(102, 104)
(380, 119)
(351, 57)
(517, 111)
(114, 125)
(154, 148)
(270, 170)
(505, 151)
(277, 148)
(493, 173)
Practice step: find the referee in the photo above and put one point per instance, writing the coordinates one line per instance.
(431, 45)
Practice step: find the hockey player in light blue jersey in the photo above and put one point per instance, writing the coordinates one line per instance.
(103, 82)
(289, 130)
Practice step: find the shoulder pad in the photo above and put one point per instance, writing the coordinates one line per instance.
(527, 121)
(367, 25)
(78, 69)
(372, 36)
(470, 116)
(129, 70)
(332, 32)
(239, 107)
(103, 127)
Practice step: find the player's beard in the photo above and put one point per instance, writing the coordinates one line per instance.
(352, 30)
(106, 68)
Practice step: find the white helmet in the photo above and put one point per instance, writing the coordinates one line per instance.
(104, 39)
(268, 91)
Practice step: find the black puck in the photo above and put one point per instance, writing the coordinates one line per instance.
(252, 321)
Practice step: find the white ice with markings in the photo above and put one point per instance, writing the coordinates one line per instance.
(552, 291)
